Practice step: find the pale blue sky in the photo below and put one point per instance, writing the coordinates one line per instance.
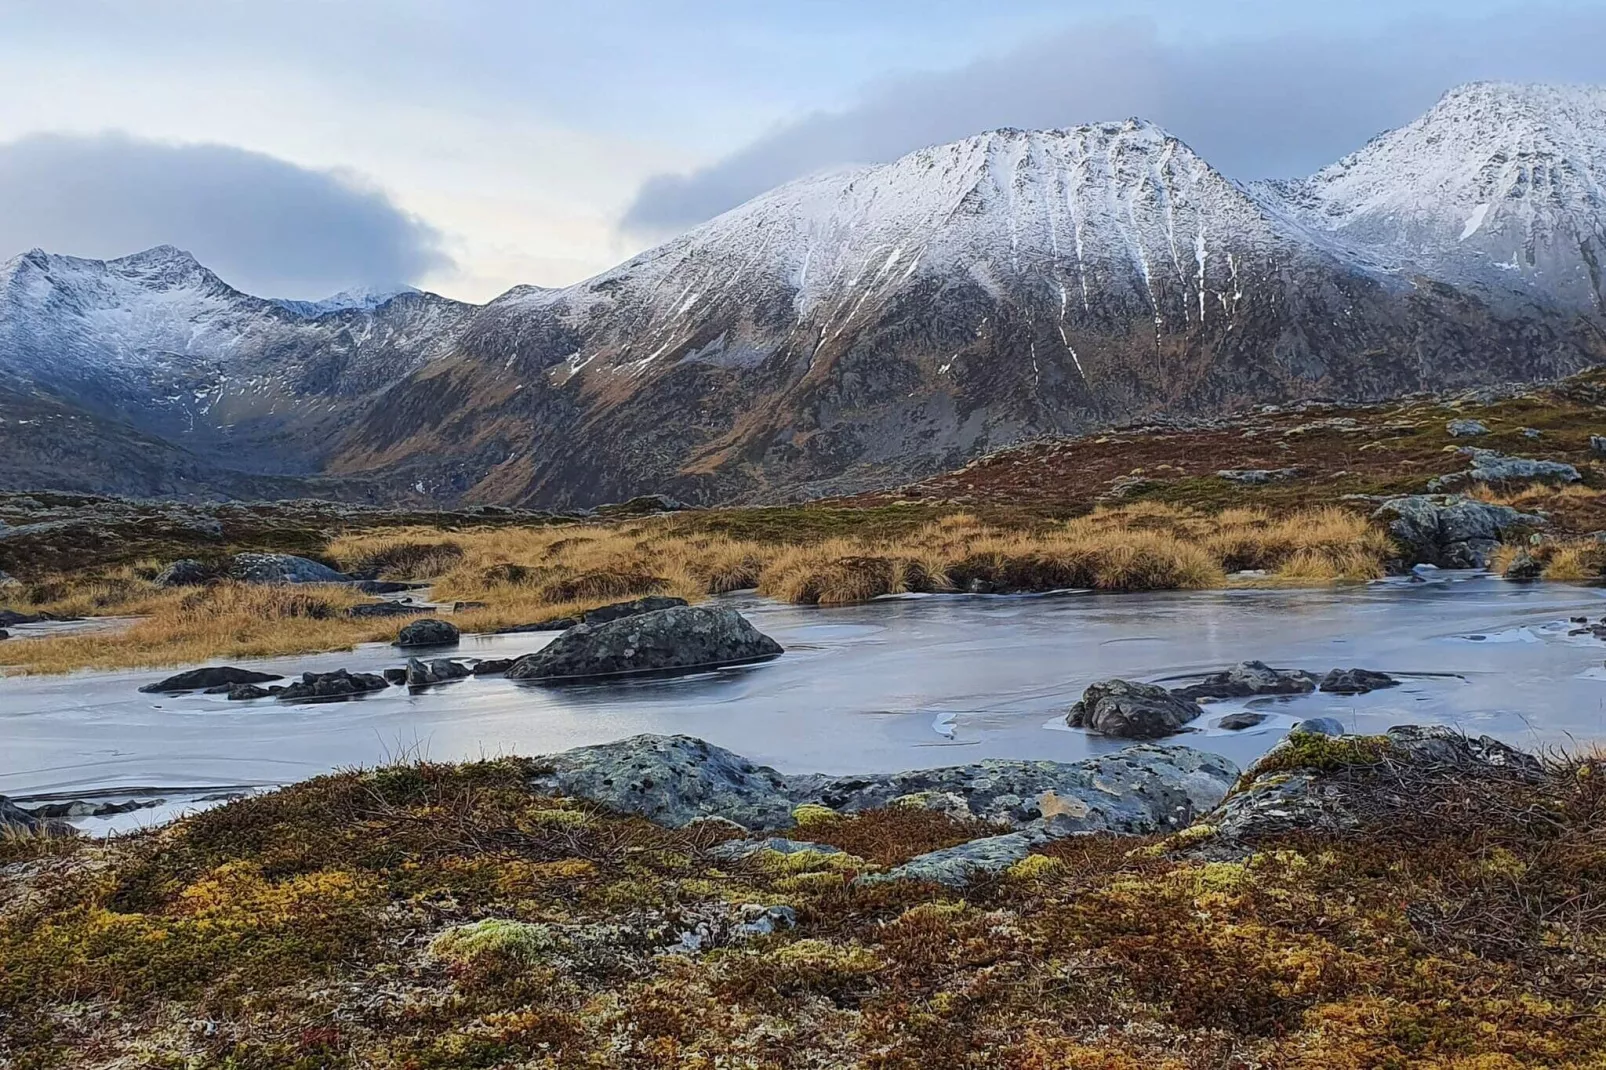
(541, 142)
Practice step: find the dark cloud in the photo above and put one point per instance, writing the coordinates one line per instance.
(1273, 107)
(264, 225)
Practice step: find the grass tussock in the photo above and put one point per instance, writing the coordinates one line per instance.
(527, 575)
(431, 915)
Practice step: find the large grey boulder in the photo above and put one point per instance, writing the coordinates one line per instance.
(1132, 710)
(675, 780)
(428, 632)
(1466, 428)
(281, 568)
(1248, 678)
(225, 676)
(435, 671)
(682, 639)
(1450, 531)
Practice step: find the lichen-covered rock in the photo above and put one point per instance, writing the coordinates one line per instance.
(1320, 726)
(1132, 710)
(428, 632)
(185, 572)
(281, 568)
(1356, 681)
(1318, 783)
(332, 686)
(1466, 428)
(682, 639)
(675, 780)
(1257, 476)
(492, 666)
(247, 692)
(367, 610)
(224, 676)
(1248, 678)
(1524, 567)
(1450, 531)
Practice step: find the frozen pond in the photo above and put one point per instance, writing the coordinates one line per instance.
(896, 684)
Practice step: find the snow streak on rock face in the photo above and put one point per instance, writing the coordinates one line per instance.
(1500, 184)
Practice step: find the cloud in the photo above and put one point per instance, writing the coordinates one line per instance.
(1273, 107)
(262, 223)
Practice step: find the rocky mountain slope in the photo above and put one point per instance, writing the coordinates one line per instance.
(861, 328)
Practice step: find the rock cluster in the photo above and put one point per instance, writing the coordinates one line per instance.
(332, 686)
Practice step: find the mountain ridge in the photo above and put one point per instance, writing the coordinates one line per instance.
(875, 324)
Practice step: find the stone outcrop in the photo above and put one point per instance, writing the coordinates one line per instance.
(1356, 681)
(435, 671)
(1249, 678)
(682, 639)
(185, 572)
(675, 780)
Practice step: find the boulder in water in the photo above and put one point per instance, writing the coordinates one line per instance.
(218, 676)
(1237, 722)
(428, 632)
(246, 692)
(435, 671)
(1132, 710)
(14, 819)
(682, 639)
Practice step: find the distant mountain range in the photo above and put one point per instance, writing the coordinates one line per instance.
(847, 330)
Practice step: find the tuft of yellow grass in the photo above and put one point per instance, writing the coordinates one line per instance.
(529, 575)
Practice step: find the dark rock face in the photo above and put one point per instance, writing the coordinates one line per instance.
(556, 624)
(492, 666)
(386, 609)
(14, 819)
(434, 671)
(1284, 795)
(428, 632)
(620, 610)
(1249, 678)
(185, 572)
(1356, 681)
(1237, 722)
(1132, 710)
(681, 639)
(4, 634)
(246, 692)
(1450, 531)
(676, 780)
(10, 618)
(332, 686)
(224, 676)
(395, 677)
(281, 568)
(387, 586)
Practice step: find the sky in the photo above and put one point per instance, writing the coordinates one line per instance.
(300, 147)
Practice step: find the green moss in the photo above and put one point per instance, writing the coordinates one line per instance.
(500, 937)
(1323, 753)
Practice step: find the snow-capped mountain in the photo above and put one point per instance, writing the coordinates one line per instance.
(860, 327)
(357, 297)
(1499, 184)
(158, 341)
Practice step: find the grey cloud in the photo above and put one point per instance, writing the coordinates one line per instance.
(263, 224)
(1274, 107)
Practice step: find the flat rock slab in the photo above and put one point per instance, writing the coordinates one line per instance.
(281, 568)
(675, 780)
(219, 676)
(680, 639)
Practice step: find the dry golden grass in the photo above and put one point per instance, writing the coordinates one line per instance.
(526, 575)
(1565, 561)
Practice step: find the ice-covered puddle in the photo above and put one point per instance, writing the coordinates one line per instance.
(895, 684)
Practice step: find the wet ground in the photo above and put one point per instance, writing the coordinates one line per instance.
(896, 684)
